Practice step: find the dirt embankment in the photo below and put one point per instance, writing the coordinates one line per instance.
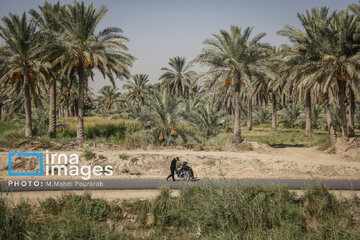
(262, 162)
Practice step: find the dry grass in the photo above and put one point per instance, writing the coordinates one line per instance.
(71, 122)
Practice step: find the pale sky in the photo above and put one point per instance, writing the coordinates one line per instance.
(161, 29)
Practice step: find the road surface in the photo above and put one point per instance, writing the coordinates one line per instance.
(141, 184)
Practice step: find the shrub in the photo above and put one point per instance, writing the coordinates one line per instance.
(124, 156)
(65, 132)
(140, 139)
(137, 173)
(100, 210)
(209, 162)
(140, 208)
(164, 209)
(205, 211)
(262, 116)
(288, 116)
(222, 139)
(325, 145)
(134, 160)
(88, 154)
(246, 146)
(95, 127)
(11, 138)
(7, 126)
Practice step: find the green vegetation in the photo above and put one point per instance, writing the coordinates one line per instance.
(137, 173)
(7, 126)
(129, 134)
(88, 154)
(134, 160)
(124, 156)
(200, 212)
(114, 129)
(311, 85)
(69, 216)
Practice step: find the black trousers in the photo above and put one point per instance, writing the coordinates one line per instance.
(172, 174)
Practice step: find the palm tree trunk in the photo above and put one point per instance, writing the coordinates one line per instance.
(28, 122)
(52, 112)
(250, 117)
(80, 124)
(330, 124)
(342, 89)
(308, 112)
(274, 113)
(67, 113)
(351, 113)
(237, 121)
(0, 111)
(76, 109)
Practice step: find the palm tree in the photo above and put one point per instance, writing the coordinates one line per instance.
(232, 56)
(354, 87)
(275, 86)
(162, 113)
(138, 90)
(289, 115)
(341, 58)
(320, 59)
(129, 110)
(294, 71)
(262, 115)
(178, 78)
(3, 97)
(108, 95)
(82, 50)
(68, 96)
(46, 20)
(20, 67)
(207, 118)
(351, 125)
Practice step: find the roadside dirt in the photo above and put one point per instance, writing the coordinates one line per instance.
(120, 195)
(262, 162)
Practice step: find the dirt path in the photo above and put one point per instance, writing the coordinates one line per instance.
(119, 195)
(262, 162)
(110, 195)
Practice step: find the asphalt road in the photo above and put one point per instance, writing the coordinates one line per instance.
(130, 184)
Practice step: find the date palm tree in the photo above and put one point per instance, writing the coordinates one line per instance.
(207, 118)
(138, 89)
(108, 95)
(334, 52)
(179, 77)
(19, 65)
(49, 27)
(355, 86)
(82, 50)
(3, 98)
(293, 73)
(233, 56)
(310, 61)
(341, 58)
(162, 114)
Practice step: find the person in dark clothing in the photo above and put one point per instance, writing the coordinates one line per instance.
(173, 168)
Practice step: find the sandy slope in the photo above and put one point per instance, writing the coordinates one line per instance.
(262, 162)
